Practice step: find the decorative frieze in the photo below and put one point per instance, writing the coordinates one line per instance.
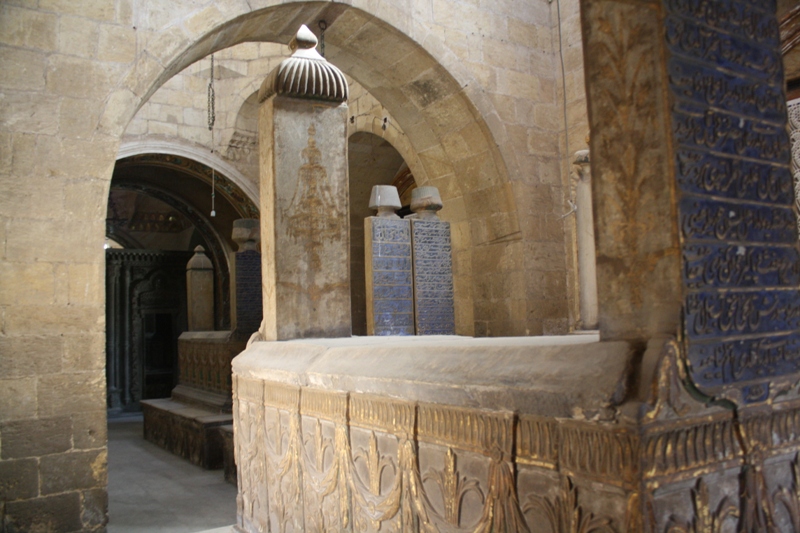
(324, 404)
(478, 431)
(250, 390)
(310, 463)
(382, 414)
(682, 449)
(610, 454)
(537, 441)
(281, 396)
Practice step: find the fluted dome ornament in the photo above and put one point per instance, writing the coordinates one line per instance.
(305, 74)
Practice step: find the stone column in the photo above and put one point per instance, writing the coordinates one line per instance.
(693, 193)
(387, 253)
(304, 197)
(584, 222)
(200, 291)
(246, 302)
(434, 309)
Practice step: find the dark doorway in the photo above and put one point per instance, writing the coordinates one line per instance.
(146, 312)
(160, 354)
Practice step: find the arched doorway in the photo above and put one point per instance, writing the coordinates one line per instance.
(159, 211)
(439, 107)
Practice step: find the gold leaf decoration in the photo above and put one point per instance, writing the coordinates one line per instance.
(566, 515)
(789, 497)
(705, 520)
(453, 488)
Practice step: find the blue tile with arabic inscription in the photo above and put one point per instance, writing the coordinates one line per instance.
(729, 134)
(433, 277)
(701, 172)
(708, 219)
(746, 19)
(391, 299)
(701, 85)
(688, 38)
(249, 306)
(739, 231)
(721, 265)
(392, 249)
(393, 321)
(403, 292)
(391, 263)
(724, 362)
(392, 278)
(715, 314)
(755, 392)
(768, 6)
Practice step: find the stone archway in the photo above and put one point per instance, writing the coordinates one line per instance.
(448, 120)
(69, 95)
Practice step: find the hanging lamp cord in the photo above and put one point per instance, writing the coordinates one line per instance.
(212, 117)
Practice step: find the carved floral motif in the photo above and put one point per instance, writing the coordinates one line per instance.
(789, 497)
(706, 519)
(565, 513)
(303, 470)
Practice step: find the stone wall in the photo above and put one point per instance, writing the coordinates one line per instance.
(459, 79)
(516, 66)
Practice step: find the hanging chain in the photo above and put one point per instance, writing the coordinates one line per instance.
(212, 117)
(322, 27)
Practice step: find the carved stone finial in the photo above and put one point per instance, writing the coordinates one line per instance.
(304, 39)
(247, 234)
(305, 74)
(426, 201)
(385, 199)
(199, 260)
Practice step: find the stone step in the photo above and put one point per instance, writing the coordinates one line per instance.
(186, 430)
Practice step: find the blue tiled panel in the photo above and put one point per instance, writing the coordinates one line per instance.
(392, 291)
(433, 277)
(738, 228)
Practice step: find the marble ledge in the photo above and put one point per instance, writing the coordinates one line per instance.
(546, 376)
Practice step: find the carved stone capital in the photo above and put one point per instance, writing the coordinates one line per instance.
(581, 169)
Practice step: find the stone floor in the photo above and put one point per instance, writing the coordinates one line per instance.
(153, 491)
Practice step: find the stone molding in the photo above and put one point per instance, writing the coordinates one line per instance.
(201, 154)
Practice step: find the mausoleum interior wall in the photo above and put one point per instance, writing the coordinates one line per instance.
(471, 85)
(521, 224)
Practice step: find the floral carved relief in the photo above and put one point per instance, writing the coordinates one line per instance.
(565, 514)
(707, 519)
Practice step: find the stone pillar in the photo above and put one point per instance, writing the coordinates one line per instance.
(246, 301)
(387, 245)
(304, 196)
(638, 252)
(433, 265)
(200, 291)
(584, 222)
(696, 233)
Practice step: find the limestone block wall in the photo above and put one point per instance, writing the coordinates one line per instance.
(514, 70)
(177, 113)
(459, 78)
